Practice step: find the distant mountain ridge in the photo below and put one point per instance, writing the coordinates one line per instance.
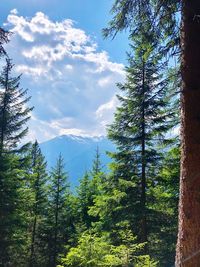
(78, 153)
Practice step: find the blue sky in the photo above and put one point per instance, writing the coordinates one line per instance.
(70, 70)
(90, 15)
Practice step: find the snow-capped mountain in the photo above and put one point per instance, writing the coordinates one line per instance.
(78, 153)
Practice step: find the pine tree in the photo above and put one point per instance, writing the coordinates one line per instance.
(140, 123)
(85, 200)
(10, 219)
(38, 179)
(89, 188)
(58, 200)
(97, 250)
(13, 110)
(96, 166)
(13, 117)
(162, 16)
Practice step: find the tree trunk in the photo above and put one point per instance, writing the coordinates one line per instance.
(31, 262)
(56, 224)
(188, 244)
(4, 122)
(143, 180)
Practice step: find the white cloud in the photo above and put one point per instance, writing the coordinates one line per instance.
(71, 81)
(107, 107)
(31, 71)
(105, 112)
(14, 11)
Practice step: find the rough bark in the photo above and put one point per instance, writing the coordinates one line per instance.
(188, 245)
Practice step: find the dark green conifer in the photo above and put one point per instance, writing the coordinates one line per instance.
(140, 124)
(59, 195)
(96, 166)
(38, 179)
(13, 117)
(14, 113)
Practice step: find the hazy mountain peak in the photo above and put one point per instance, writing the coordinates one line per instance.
(78, 153)
(81, 138)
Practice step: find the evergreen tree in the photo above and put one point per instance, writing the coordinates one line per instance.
(96, 166)
(58, 200)
(10, 213)
(13, 117)
(140, 124)
(164, 197)
(162, 17)
(84, 201)
(38, 179)
(97, 250)
(90, 187)
(13, 110)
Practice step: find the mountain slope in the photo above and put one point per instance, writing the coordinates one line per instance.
(78, 153)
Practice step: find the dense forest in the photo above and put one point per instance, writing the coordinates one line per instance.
(128, 216)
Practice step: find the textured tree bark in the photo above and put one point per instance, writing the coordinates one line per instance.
(188, 244)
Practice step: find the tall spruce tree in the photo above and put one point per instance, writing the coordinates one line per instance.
(38, 179)
(13, 117)
(13, 110)
(58, 201)
(140, 123)
(84, 201)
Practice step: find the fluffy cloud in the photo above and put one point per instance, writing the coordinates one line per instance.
(105, 112)
(71, 81)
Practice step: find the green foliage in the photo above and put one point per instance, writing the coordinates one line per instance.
(94, 250)
(90, 187)
(13, 110)
(58, 212)
(13, 217)
(38, 177)
(139, 130)
(96, 167)
(164, 209)
(85, 200)
(158, 19)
